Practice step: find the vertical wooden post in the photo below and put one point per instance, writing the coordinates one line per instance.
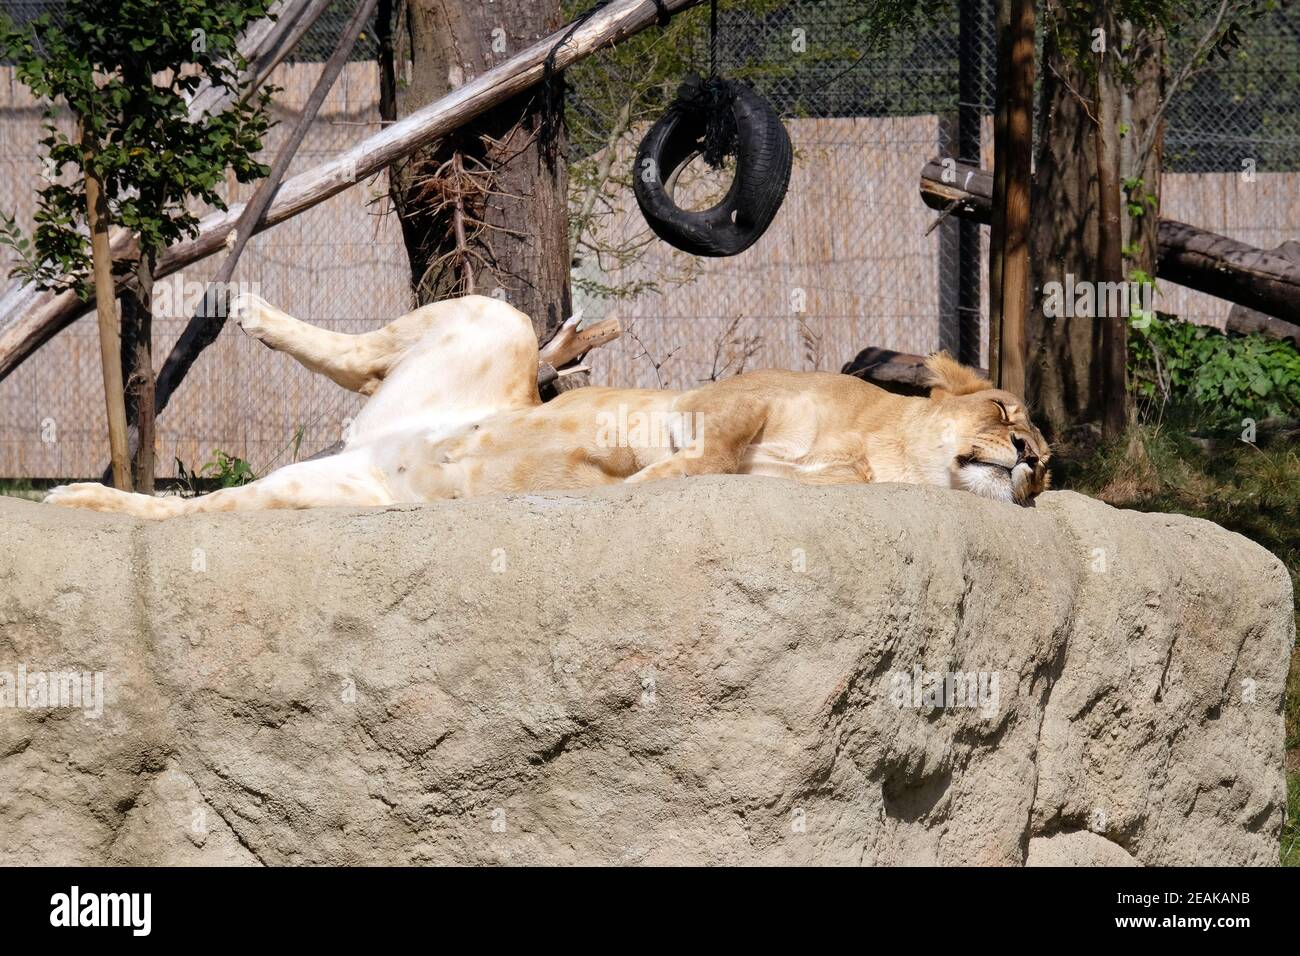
(970, 81)
(1012, 164)
(951, 265)
(106, 313)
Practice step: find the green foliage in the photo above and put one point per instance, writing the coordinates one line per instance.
(228, 471)
(1216, 379)
(1198, 30)
(126, 70)
(1291, 829)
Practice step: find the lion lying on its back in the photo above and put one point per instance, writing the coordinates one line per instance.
(454, 412)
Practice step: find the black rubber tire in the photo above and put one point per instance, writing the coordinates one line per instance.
(763, 160)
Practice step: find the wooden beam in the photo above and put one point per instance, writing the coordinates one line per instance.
(43, 317)
(1264, 280)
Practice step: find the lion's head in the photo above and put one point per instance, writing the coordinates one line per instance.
(995, 449)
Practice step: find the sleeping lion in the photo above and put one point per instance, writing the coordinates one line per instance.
(454, 412)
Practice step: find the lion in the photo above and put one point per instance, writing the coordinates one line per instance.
(453, 411)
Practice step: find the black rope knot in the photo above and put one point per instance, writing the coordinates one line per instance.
(712, 99)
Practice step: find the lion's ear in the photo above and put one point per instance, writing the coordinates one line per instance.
(946, 376)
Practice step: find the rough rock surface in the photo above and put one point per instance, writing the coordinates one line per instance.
(690, 672)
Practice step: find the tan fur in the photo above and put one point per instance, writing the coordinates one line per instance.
(947, 374)
(454, 412)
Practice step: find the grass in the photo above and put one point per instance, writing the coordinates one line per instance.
(21, 488)
(1251, 489)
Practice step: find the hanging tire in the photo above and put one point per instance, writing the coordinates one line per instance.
(763, 160)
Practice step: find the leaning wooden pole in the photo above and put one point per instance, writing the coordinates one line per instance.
(1012, 158)
(204, 327)
(607, 26)
(97, 218)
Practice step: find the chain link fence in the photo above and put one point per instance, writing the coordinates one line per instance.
(851, 261)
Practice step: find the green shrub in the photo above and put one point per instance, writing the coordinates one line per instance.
(1218, 378)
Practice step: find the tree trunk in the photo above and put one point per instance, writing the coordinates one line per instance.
(137, 372)
(1107, 109)
(1077, 177)
(1009, 237)
(97, 219)
(487, 205)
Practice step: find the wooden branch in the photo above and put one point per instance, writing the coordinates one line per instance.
(204, 327)
(571, 343)
(1191, 257)
(263, 45)
(41, 319)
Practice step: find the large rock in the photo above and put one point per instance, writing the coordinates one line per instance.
(714, 670)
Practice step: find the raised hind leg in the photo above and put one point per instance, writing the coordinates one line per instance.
(358, 362)
(474, 349)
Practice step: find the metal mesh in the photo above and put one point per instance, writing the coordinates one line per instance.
(847, 264)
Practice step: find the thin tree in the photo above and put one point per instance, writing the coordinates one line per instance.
(127, 71)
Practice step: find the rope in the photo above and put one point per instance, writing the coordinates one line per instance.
(553, 87)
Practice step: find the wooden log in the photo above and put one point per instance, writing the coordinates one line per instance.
(1232, 270)
(1189, 256)
(1245, 320)
(899, 372)
(958, 189)
(37, 319)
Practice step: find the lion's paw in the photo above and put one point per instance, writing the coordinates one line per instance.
(83, 494)
(250, 313)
